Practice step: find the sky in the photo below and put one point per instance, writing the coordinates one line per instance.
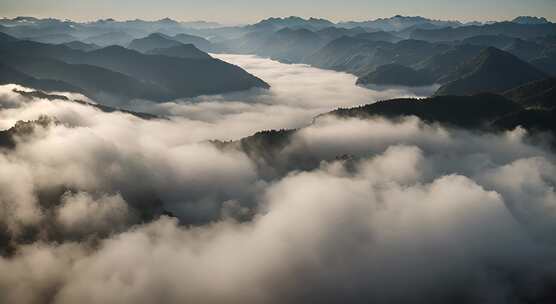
(248, 11)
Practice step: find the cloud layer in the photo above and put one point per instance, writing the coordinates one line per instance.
(411, 212)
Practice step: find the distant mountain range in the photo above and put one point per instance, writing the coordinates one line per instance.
(492, 71)
(485, 112)
(481, 112)
(400, 50)
(122, 73)
(399, 23)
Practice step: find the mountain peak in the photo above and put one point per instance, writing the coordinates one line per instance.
(168, 21)
(493, 70)
(530, 20)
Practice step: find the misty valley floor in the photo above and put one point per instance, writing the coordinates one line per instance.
(108, 207)
(298, 93)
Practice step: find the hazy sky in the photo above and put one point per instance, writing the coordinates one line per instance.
(245, 11)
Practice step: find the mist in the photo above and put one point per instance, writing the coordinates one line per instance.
(298, 93)
(110, 208)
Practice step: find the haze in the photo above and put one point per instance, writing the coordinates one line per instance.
(246, 11)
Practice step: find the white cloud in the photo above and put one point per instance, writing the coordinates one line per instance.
(417, 212)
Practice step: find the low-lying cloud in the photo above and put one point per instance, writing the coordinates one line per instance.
(357, 211)
(298, 93)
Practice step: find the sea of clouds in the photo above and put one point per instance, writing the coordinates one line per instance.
(102, 207)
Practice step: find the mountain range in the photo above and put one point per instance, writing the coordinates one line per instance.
(485, 112)
(464, 58)
(127, 74)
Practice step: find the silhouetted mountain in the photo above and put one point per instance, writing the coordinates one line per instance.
(198, 42)
(9, 75)
(530, 20)
(442, 65)
(82, 46)
(44, 30)
(546, 63)
(52, 38)
(395, 74)
(526, 50)
(151, 42)
(485, 112)
(464, 111)
(492, 71)
(356, 56)
(94, 81)
(540, 93)
(21, 129)
(516, 30)
(5, 38)
(534, 120)
(497, 41)
(379, 36)
(181, 51)
(292, 44)
(103, 108)
(111, 38)
(24, 128)
(184, 77)
(287, 45)
(127, 73)
(361, 56)
(399, 23)
(331, 33)
(275, 24)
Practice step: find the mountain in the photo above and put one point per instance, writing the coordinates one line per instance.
(93, 81)
(511, 29)
(198, 42)
(9, 75)
(541, 93)
(463, 111)
(396, 74)
(530, 20)
(286, 45)
(492, 71)
(356, 56)
(181, 51)
(525, 50)
(331, 33)
(291, 45)
(151, 42)
(81, 46)
(184, 77)
(399, 23)
(127, 73)
(5, 38)
(486, 112)
(110, 38)
(379, 36)
(442, 65)
(497, 41)
(546, 63)
(201, 24)
(52, 38)
(103, 108)
(534, 120)
(22, 128)
(362, 56)
(276, 24)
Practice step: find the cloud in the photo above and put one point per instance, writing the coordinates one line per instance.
(298, 93)
(81, 213)
(409, 212)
